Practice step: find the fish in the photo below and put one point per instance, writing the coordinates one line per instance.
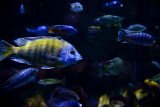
(113, 4)
(69, 104)
(151, 83)
(111, 67)
(51, 81)
(34, 101)
(53, 29)
(140, 38)
(155, 63)
(109, 20)
(117, 103)
(140, 94)
(94, 29)
(130, 96)
(136, 27)
(44, 51)
(19, 79)
(76, 7)
(38, 31)
(66, 94)
(22, 11)
(62, 29)
(103, 100)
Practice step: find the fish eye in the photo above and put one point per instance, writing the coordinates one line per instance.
(72, 52)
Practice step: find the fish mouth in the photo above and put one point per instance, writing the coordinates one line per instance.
(79, 58)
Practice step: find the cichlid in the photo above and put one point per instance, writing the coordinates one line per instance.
(66, 94)
(34, 101)
(62, 29)
(44, 51)
(109, 20)
(153, 81)
(104, 100)
(22, 11)
(50, 81)
(113, 4)
(76, 7)
(94, 29)
(136, 27)
(19, 79)
(140, 94)
(111, 67)
(140, 38)
(53, 29)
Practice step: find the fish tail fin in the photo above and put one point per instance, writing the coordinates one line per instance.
(121, 35)
(29, 30)
(51, 30)
(6, 49)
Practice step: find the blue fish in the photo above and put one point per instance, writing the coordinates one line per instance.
(69, 104)
(19, 79)
(38, 31)
(140, 38)
(62, 29)
(21, 9)
(76, 7)
(66, 94)
(113, 4)
(54, 29)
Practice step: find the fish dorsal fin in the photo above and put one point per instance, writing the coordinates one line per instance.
(19, 60)
(23, 41)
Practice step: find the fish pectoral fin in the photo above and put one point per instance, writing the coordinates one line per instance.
(20, 60)
(46, 67)
(53, 58)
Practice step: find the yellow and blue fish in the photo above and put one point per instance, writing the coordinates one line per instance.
(44, 51)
